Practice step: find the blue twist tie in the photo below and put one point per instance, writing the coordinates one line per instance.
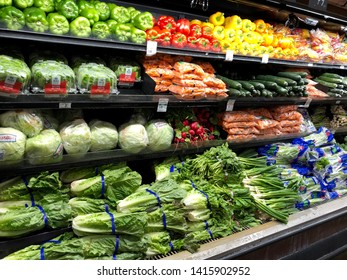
(172, 168)
(208, 230)
(155, 195)
(29, 191)
(42, 250)
(112, 221)
(115, 252)
(107, 209)
(181, 159)
(102, 185)
(205, 194)
(172, 246)
(43, 213)
(96, 171)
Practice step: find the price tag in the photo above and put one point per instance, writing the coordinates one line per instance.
(162, 105)
(307, 103)
(10, 80)
(338, 102)
(101, 82)
(318, 4)
(56, 81)
(230, 105)
(229, 56)
(342, 67)
(310, 65)
(151, 48)
(311, 21)
(64, 105)
(265, 58)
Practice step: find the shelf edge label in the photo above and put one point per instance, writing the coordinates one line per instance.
(151, 48)
(307, 103)
(229, 56)
(162, 105)
(265, 58)
(65, 105)
(230, 105)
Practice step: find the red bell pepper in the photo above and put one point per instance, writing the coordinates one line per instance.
(179, 40)
(164, 38)
(192, 42)
(207, 32)
(215, 46)
(167, 22)
(183, 26)
(195, 30)
(153, 34)
(204, 44)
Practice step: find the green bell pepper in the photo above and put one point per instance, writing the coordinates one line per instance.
(144, 21)
(133, 14)
(12, 18)
(122, 31)
(91, 14)
(130, 9)
(22, 4)
(35, 19)
(101, 30)
(56, 4)
(103, 10)
(58, 24)
(68, 9)
(4, 3)
(111, 6)
(120, 14)
(80, 27)
(45, 5)
(82, 4)
(138, 36)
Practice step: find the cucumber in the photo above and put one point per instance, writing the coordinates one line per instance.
(234, 92)
(337, 90)
(266, 93)
(258, 86)
(230, 83)
(271, 78)
(281, 91)
(267, 84)
(290, 81)
(330, 80)
(245, 92)
(246, 85)
(324, 83)
(299, 88)
(340, 86)
(296, 76)
(302, 82)
(332, 75)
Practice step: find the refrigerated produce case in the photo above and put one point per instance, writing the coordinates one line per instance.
(316, 233)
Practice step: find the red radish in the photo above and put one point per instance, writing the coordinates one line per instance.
(194, 125)
(181, 140)
(211, 137)
(200, 130)
(185, 123)
(192, 132)
(184, 135)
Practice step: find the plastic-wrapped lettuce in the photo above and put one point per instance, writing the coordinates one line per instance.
(78, 60)
(27, 121)
(76, 137)
(52, 77)
(96, 79)
(160, 135)
(133, 137)
(104, 135)
(125, 69)
(49, 120)
(46, 147)
(41, 55)
(12, 144)
(15, 75)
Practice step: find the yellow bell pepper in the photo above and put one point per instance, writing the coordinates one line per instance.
(225, 45)
(217, 19)
(239, 36)
(229, 34)
(206, 23)
(269, 28)
(249, 37)
(244, 48)
(195, 21)
(246, 25)
(234, 22)
(267, 39)
(260, 25)
(218, 33)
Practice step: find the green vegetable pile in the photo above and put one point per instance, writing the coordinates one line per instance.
(336, 84)
(83, 18)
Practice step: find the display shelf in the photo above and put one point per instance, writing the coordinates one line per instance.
(242, 244)
(340, 131)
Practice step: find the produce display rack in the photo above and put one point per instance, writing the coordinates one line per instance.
(324, 226)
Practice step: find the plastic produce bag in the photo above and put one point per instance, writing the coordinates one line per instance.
(46, 147)
(133, 138)
(78, 60)
(96, 79)
(15, 76)
(104, 136)
(160, 135)
(52, 77)
(42, 55)
(76, 137)
(127, 71)
(12, 144)
(29, 122)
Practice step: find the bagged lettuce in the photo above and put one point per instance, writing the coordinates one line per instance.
(27, 121)
(104, 136)
(133, 138)
(160, 135)
(12, 144)
(76, 137)
(46, 147)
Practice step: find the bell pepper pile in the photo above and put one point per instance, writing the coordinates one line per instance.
(79, 18)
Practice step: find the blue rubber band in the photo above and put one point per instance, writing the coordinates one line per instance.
(29, 191)
(43, 213)
(107, 209)
(172, 168)
(96, 171)
(205, 194)
(112, 221)
(163, 216)
(102, 185)
(115, 252)
(172, 246)
(42, 249)
(156, 196)
(208, 230)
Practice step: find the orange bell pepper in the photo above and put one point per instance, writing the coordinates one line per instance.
(260, 26)
(285, 43)
(195, 21)
(267, 39)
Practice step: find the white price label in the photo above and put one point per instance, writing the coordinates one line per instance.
(56, 81)
(10, 80)
(162, 105)
(64, 105)
(128, 71)
(342, 67)
(230, 105)
(311, 21)
(265, 58)
(338, 102)
(310, 65)
(307, 103)
(101, 82)
(151, 48)
(229, 56)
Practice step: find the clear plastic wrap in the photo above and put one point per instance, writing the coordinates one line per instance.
(52, 78)
(96, 79)
(133, 137)
(104, 135)
(15, 76)
(46, 55)
(125, 69)
(12, 145)
(44, 148)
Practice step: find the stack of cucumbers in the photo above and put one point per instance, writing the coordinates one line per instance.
(288, 84)
(337, 85)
